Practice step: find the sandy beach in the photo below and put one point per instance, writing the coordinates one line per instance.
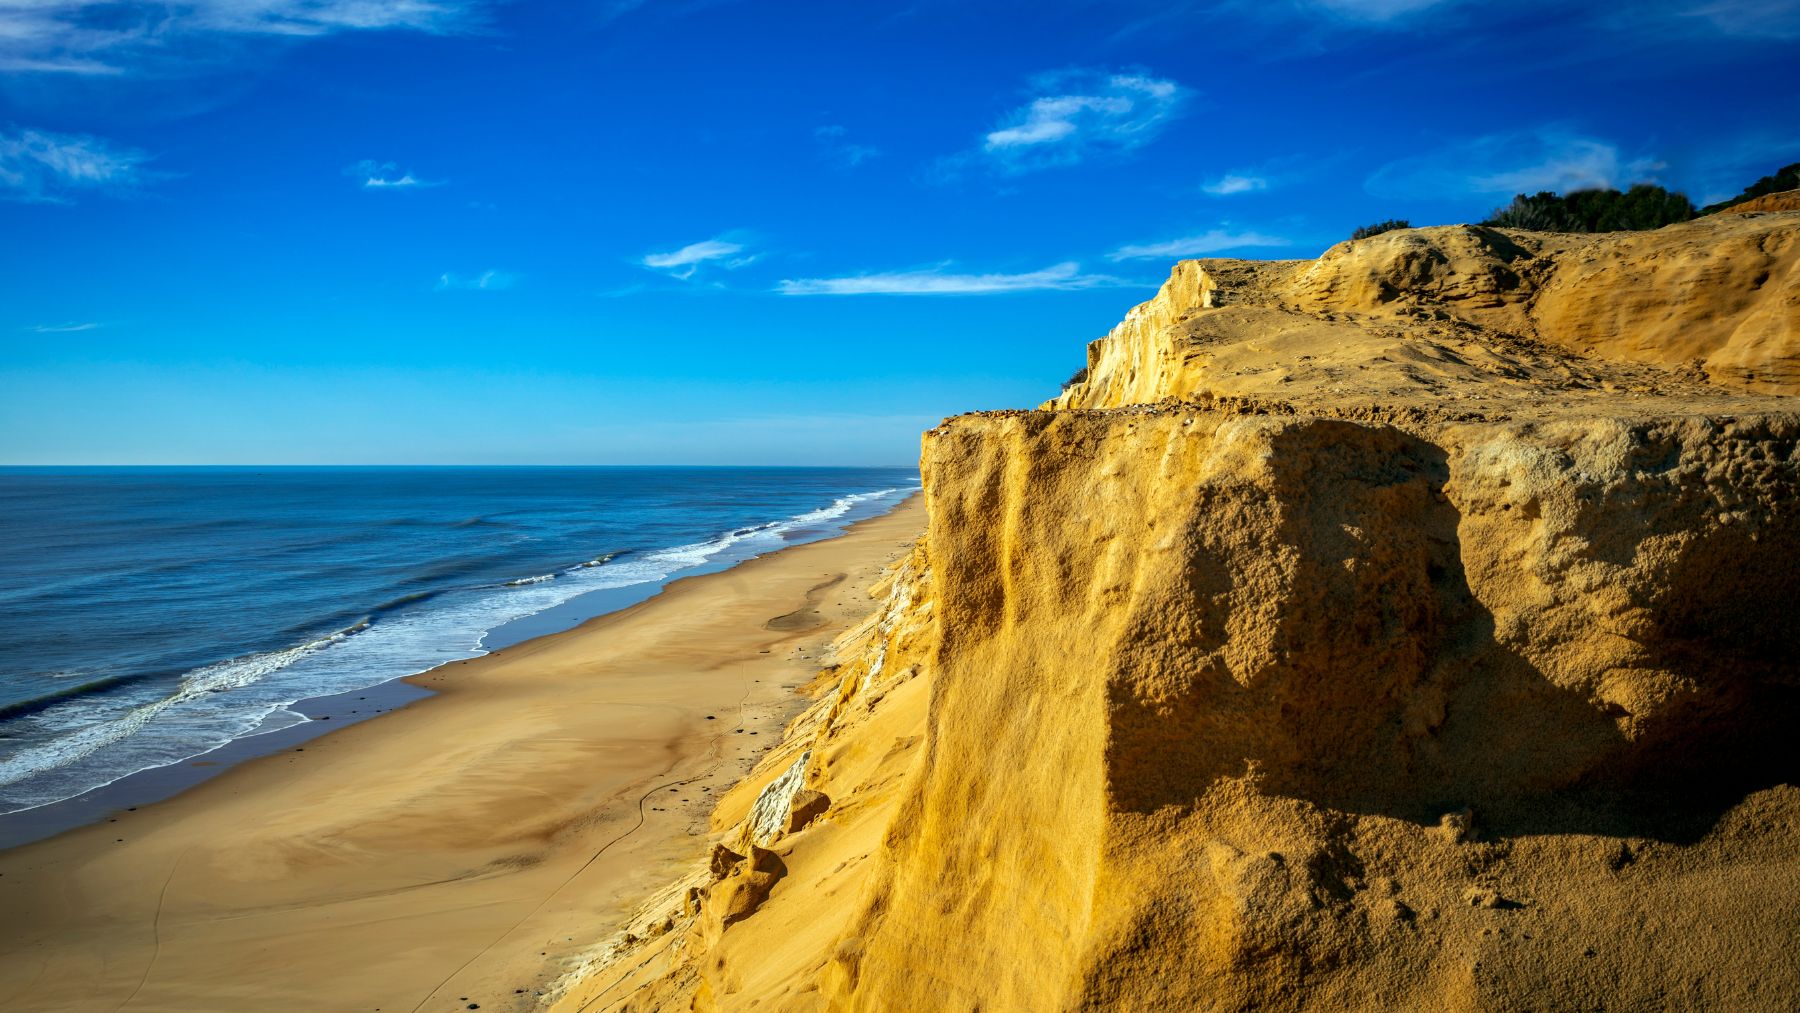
(459, 852)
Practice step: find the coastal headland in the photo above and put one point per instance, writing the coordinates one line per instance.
(1405, 629)
(458, 852)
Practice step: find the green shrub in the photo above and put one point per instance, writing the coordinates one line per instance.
(1379, 227)
(1644, 206)
(1786, 178)
(1536, 214)
(1080, 375)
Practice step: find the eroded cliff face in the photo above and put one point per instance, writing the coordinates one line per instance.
(1240, 710)
(1412, 628)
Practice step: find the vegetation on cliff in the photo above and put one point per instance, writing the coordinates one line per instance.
(1643, 206)
(1783, 179)
(1376, 229)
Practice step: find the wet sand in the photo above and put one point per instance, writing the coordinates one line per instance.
(460, 851)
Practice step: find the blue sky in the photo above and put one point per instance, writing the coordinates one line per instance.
(462, 231)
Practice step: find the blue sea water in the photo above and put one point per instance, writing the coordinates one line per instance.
(156, 614)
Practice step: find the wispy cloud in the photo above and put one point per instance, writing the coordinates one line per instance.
(387, 176)
(1528, 35)
(1379, 10)
(1775, 19)
(687, 261)
(322, 17)
(941, 280)
(1210, 241)
(88, 37)
(1290, 26)
(841, 152)
(486, 281)
(1520, 162)
(39, 167)
(1235, 183)
(1077, 114)
(69, 328)
(1273, 173)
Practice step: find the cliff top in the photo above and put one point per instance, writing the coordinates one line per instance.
(1463, 320)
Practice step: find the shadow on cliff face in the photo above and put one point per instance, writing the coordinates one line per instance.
(1324, 636)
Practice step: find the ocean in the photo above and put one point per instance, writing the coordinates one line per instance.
(155, 615)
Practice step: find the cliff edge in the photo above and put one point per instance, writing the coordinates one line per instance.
(1408, 628)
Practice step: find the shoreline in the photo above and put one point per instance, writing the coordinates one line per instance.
(156, 784)
(526, 774)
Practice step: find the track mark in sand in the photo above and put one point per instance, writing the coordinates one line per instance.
(43, 969)
(635, 827)
(155, 930)
(806, 617)
(742, 703)
(718, 761)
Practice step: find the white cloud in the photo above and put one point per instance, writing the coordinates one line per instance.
(387, 176)
(69, 328)
(1582, 163)
(840, 152)
(321, 17)
(940, 281)
(13, 63)
(86, 37)
(1235, 183)
(486, 281)
(685, 262)
(41, 167)
(1078, 114)
(1211, 241)
(1504, 164)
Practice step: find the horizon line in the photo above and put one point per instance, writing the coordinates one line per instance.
(16, 466)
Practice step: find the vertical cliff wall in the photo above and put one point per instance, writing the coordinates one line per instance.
(1234, 709)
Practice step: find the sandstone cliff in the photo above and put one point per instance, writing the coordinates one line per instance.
(1409, 628)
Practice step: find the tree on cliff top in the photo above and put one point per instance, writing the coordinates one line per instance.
(1379, 227)
(1644, 206)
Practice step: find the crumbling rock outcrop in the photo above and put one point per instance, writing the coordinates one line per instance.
(772, 812)
(740, 885)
